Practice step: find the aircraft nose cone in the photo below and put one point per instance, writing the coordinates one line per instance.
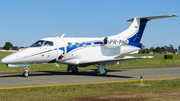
(9, 60)
(4, 61)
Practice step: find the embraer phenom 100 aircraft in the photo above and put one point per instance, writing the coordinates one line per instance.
(82, 52)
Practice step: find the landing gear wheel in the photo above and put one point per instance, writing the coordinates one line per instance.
(74, 70)
(26, 74)
(104, 73)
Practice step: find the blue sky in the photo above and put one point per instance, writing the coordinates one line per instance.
(22, 22)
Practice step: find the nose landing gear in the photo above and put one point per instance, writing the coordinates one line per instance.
(26, 73)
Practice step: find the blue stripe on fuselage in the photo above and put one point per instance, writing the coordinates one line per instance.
(80, 45)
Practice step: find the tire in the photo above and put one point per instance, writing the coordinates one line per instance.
(75, 70)
(25, 74)
(104, 73)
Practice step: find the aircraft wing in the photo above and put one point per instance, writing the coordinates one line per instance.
(104, 61)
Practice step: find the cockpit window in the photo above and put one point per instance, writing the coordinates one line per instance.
(48, 43)
(37, 44)
(41, 43)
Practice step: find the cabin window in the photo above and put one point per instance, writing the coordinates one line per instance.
(69, 44)
(92, 43)
(84, 44)
(77, 44)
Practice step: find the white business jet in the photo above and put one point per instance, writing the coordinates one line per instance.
(82, 52)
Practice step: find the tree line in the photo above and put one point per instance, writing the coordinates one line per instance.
(9, 46)
(158, 49)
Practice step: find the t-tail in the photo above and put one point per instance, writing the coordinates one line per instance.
(134, 33)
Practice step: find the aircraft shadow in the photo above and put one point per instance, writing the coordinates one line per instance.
(92, 72)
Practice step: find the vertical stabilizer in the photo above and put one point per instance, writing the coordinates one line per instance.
(135, 31)
(140, 29)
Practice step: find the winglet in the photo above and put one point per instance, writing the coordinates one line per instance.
(63, 35)
(175, 15)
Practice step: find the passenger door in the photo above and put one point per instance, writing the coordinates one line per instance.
(48, 52)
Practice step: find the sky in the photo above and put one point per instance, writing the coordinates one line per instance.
(22, 22)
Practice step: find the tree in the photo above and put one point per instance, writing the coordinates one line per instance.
(151, 48)
(15, 48)
(146, 51)
(166, 48)
(142, 49)
(22, 47)
(163, 49)
(171, 49)
(158, 50)
(8, 45)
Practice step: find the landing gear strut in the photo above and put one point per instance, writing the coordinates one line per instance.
(73, 68)
(102, 69)
(26, 73)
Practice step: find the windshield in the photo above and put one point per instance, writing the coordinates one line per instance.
(37, 44)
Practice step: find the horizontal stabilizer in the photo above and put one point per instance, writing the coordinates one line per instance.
(153, 17)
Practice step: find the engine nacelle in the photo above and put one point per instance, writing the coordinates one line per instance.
(110, 42)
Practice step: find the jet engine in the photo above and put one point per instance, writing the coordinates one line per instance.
(111, 42)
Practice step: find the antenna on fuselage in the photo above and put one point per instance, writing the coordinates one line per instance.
(63, 35)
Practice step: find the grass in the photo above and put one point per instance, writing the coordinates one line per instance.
(166, 90)
(157, 61)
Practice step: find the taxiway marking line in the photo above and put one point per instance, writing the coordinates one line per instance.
(22, 78)
(7, 77)
(173, 78)
(36, 80)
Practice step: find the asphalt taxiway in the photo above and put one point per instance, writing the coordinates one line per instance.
(54, 78)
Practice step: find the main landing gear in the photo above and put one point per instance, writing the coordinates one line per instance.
(73, 68)
(102, 69)
(26, 73)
